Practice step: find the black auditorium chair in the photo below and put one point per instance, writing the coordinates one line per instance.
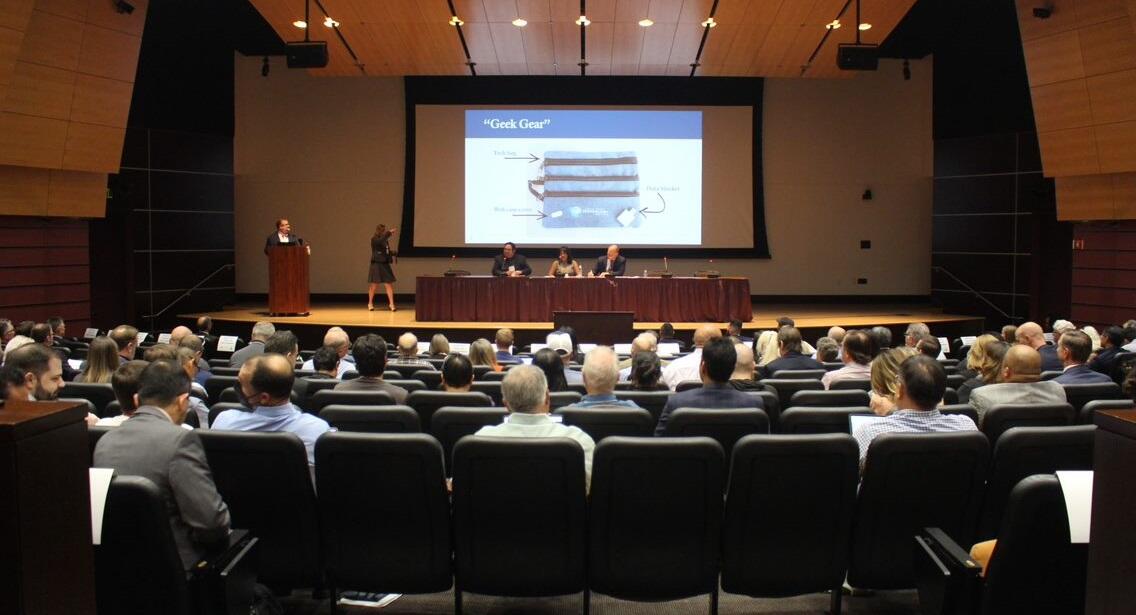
(313, 387)
(600, 423)
(963, 409)
(818, 420)
(1090, 408)
(492, 388)
(912, 481)
(955, 381)
(864, 384)
(111, 409)
(726, 426)
(405, 371)
(223, 406)
(215, 384)
(480, 370)
(392, 374)
(687, 385)
(651, 401)
(94, 432)
(384, 512)
(352, 374)
(832, 366)
(829, 399)
(771, 404)
(798, 374)
(950, 396)
(492, 376)
(372, 419)
(451, 424)
(1034, 568)
(431, 378)
(266, 481)
(635, 553)
(560, 399)
(328, 397)
(789, 509)
(1051, 374)
(426, 403)
(519, 515)
(1079, 394)
(224, 371)
(410, 385)
(99, 394)
(1024, 451)
(785, 388)
(1002, 417)
(437, 363)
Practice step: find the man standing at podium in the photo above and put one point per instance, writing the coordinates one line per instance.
(283, 236)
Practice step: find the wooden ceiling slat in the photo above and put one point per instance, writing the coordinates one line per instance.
(600, 10)
(695, 11)
(631, 11)
(539, 42)
(719, 42)
(566, 10)
(535, 11)
(685, 48)
(480, 42)
(664, 11)
(508, 43)
(600, 43)
(627, 45)
(657, 43)
(470, 11)
(500, 10)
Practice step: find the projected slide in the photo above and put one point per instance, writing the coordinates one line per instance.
(556, 177)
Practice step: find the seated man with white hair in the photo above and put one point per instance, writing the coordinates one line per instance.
(600, 376)
(644, 342)
(525, 393)
(338, 339)
(408, 353)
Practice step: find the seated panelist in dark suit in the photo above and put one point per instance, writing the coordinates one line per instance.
(1074, 349)
(716, 368)
(282, 236)
(610, 265)
(510, 264)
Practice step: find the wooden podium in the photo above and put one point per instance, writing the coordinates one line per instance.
(47, 563)
(288, 280)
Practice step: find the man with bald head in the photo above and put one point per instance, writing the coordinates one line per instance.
(408, 353)
(687, 368)
(1031, 334)
(1019, 383)
(182, 332)
(644, 342)
(744, 370)
(264, 385)
(600, 374)
(609, 265)
(338, 339)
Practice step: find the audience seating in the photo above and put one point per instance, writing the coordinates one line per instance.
(403, 371)
(788, 515)
(480, 370)
(1034, 569)
(1090, 408)
(372, 419)
(492, 388)
(215, 384)
(352, 374)
(955, 381)
(912, 481)
(651, 401)
(500, 480)
(431, 378)
(411, 385)
(727, 426)
(98, 394)
(559, 399)
(218, 370)
(315, 386)
(798, 374)
(964, 409)
(1024, 451)
(1121, 365)
(494, 376)
(864, 384)
(384, 513)
(1000, 418)
(219, 362)
(579, 388)
(832, 366)
(829, 399)
(600, 423)
(267, 483)
(687, 385)
(1079, 394)
(786, 388)
(426, 403)
(111, 409)
(450, 424)
(94, 432)
(771, 404)
(391, 374)
(1050, 375)
(437, 363)
(950, 396)
(216, 409)
(637, 551)
(818, 420)
(328, 397)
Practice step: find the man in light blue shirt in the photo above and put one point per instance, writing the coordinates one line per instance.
(265, 387)
(338, 339)
(601, 371)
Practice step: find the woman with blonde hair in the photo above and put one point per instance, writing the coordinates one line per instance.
(1094, 335)
(481, 353)
(102, 360)
(439, 347)
(885, 378)
(984, 359)
(765, 348)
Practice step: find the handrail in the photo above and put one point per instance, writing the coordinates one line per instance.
(972, 290)
(188, 292)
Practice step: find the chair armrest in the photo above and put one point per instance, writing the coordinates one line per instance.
(226, 582)
(947, 578)
(959, 557)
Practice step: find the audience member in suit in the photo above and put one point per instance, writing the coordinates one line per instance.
(408, 353)
(457, 373)
(915, 332)
(338, 339)
(930, 346)
(167, 352)
(601, 372)
(44, 336)
(1111, 343)
(667, 336)
(717, 361)
(197, 347)
(509, 263)
(326, 366)
(744, 370)
(1074, 349)
(180, 333)
(261, 331)
(646, 370)
(58, 329)
(370, 353)
(609, 265)
(282, 236)
(550, 362)
(884, 394)
(525, 393)
(284, 343)
(689, 366)
(859, 348)
(1030, 334)
(882, 338)
(919, 391)
(126, 338)
(265, 389)
(789, 347)
(152, 445)
(1018, 383)
(504, 341)
(985, 360)
(205, 331)
(734, 330)
(125, 381)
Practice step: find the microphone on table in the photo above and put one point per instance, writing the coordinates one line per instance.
(452, 272)
(666, 272)
(708, 273)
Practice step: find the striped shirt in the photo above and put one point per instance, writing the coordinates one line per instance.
(910, 421)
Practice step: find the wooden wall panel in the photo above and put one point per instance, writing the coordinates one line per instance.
(44, 268)
(31, 141)
(1112, 97)
(41, 91)
(1104, 273)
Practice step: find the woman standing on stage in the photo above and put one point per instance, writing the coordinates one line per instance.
(381, 273)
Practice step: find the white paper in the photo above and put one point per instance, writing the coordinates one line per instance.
(90, 334)
(75, 364)
(423, 347)
(1077, 486)
(459, 347)
(100, 485)
(945, 344)
(227, 343)
(384, 601)
(623, 349)
(856, 421)
(163, 338)
(533, 348)
(1048, 337)
(586, 348)
(968, 340)
(142, 335)
(668, 349)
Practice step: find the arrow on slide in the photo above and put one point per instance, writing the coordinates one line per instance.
(651, 211)
(531, 158)
(538, 216)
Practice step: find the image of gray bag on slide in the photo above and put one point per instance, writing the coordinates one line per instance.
(589, 189)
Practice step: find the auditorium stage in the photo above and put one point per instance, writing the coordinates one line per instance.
(812, 319)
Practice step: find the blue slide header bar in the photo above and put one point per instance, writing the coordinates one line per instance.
(543, 123)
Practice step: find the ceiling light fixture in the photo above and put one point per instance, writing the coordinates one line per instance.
(865, 26)
(520, 23)
(455, 21)
(300, 23)
(583, 21)
(709, 23)
(834, 25)
(330, 23)
(646, 23)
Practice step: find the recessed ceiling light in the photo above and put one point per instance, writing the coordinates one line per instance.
(709, 23)
(865, 26)
(455, 21)
(646, 23)
(330, 23)
(520, 23)
(834, 25)
(300, 23)
(583, 21)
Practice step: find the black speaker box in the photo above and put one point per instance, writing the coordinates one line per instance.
(307, 54)
(850, 56)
